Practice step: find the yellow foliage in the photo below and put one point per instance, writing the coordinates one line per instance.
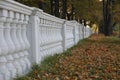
(95, 28)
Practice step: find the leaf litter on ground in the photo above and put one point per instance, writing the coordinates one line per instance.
(95, 58)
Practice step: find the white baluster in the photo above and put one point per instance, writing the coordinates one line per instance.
(19, 35)
(41, 33)
(22, 46)
(52, 33)
(17, 64)
(11, 48)
(49, 33)
(51, 39)
(45, 33)
(24, 37)
(16, 43)
(26, 19)
(41, 37)
(8, 36)
(47, 52)
(5, 74)
(60, 38)
(11, 66)
(3, 44)
(46, 38)
(81, 32)
(49, 29)
(58, 33)
(14, 36)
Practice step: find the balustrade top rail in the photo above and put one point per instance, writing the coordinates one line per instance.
(15, 6)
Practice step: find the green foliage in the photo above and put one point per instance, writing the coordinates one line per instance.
(68, 52)
(116, 11)
(32, 3)
(49, 61)
(88, 9)
(21, 78)
(113, 40)
(84, 9)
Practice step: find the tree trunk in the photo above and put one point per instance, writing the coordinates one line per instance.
(64, 9)
(56, 11)
(52, 7)
(107, 11)
(72, 15)
(41, 5)
(68, 16)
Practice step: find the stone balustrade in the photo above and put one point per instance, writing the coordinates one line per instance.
(28, 35)
(13, 40)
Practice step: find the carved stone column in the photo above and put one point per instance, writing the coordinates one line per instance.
(16, 43)
(25, 40)
(4, 73)
(21, 54)
(11, 47)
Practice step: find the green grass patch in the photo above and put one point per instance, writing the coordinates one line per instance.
(111, 40)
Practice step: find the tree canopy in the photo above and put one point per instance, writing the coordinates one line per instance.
(84, 9)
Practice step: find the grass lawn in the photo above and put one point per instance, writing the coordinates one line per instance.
(95, 58)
